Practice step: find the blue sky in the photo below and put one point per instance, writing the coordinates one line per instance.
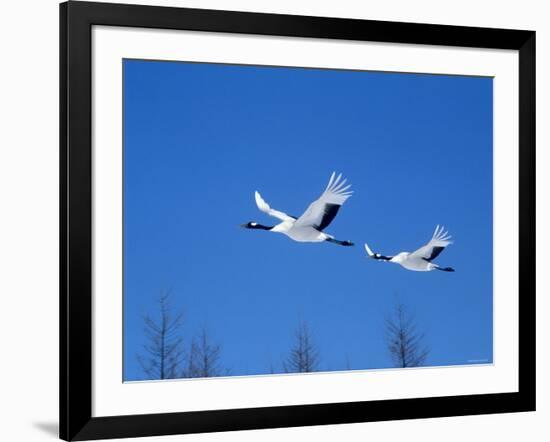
(199, 139)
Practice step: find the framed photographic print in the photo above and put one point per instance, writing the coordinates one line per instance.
(272, 220)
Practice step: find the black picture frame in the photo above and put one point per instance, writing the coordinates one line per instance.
(76, 21)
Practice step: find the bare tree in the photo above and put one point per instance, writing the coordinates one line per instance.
(404, 343)
(204, 357)
(163, 352)
(304, 355)
(348, 363)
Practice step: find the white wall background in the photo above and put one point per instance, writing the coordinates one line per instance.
(29, 217)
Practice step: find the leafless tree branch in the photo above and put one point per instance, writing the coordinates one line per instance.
(164, 352)
(405, 345)
(304, 355)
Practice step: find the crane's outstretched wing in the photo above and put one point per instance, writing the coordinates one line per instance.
(321, 212)
(439, 241)
(264, 207)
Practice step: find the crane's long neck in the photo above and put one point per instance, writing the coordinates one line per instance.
(260, 226)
